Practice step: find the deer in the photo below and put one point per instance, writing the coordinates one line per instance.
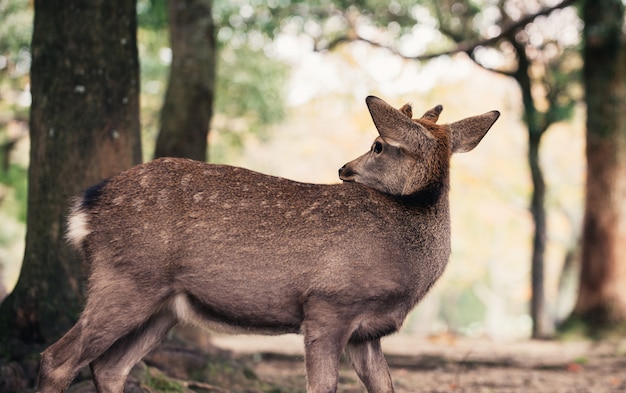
(179, 241)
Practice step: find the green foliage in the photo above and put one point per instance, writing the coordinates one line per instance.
(577, 327)
(16, 17)
(16, 26)
(323, 20)
(249, 95)
(152, 14)
(15, 33)
(255, 89)
(459, 20)
(13, 191)
(158, 382)
(573, 328)
(250, 86)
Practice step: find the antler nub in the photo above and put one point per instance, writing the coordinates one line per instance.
(433, 114)
(407, 110)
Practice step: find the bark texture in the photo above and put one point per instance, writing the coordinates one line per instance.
(602, 295)
(84, 126)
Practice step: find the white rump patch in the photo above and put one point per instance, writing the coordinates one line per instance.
(77, 228)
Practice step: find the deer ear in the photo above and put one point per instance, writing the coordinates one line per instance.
(467, 133)
(390, 122)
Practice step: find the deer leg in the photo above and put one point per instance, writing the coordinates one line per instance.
(325, 337)
(370, 365)
(111, 369)
(321, 357)
(59, 365)
(107, 317)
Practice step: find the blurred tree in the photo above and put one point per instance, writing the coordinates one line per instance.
(542, 65)
(188, 105)
(248, 86)
(251, 82)
(545, 67)
(601, 303)
(84, 127)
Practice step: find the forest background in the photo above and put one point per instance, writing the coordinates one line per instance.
(290, 82)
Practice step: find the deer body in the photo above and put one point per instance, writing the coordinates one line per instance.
(176, 240)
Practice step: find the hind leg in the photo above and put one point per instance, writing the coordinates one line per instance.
(107, 317)
(59, 363)
(370, 365)
(111, 369)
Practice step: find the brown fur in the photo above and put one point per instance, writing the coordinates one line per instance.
(176, 240)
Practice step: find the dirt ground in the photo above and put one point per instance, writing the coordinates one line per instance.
(443, 364)
(451, 364)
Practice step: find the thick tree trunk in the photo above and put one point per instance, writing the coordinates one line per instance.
(602, 294)
(84, 126)
(188, 105)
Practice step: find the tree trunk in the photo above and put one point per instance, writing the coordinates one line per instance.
(602, 294)
(188, 105)
(84, 126)
(541, 327)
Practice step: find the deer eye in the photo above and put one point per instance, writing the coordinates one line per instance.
(377, 148)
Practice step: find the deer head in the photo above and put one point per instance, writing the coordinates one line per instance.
(411, 155)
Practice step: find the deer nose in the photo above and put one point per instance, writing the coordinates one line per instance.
(346, 173)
